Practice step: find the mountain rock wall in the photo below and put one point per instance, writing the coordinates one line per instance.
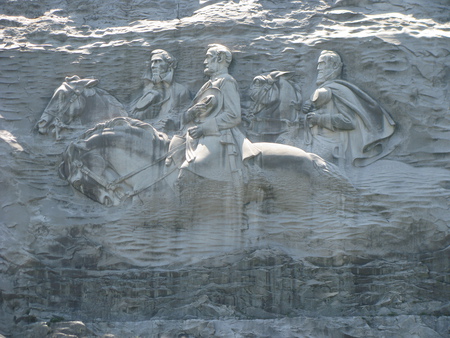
(375, 265)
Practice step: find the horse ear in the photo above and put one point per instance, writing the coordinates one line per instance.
(92, 83)
(80, 144)
(72, 78)
(278, 74)
(275, 75)
(271, 77)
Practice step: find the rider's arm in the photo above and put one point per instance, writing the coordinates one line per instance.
(230, 115)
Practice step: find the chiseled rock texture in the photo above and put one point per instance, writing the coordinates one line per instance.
(378, 267)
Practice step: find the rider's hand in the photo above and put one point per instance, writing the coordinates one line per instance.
(313, 119)
(196, 132)
(191, 114)
(200, 108)
(307, 107)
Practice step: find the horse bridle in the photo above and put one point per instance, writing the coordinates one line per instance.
(76, 93)
(112, 186)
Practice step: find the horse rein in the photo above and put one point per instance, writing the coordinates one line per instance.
(57, 122)
(112, 186)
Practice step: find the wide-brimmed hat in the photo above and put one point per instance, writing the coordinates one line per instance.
(214, 98)
(78, 82)
(151, 97)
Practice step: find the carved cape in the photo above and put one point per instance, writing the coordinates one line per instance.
(368, 138)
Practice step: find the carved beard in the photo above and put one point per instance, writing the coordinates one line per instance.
(166, 76)
(323, 77)
(158, 78)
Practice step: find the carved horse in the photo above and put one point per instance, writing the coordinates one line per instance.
(78, 99)
(276, 100)
(124, 160)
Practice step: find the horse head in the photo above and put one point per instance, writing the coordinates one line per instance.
(115, 160)
(290, 96)
(264, 92)
(78, 167)
(276, 101)
(78, 98)
(275, 96)
(67, 103)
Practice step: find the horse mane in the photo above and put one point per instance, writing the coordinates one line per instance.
(125, 123)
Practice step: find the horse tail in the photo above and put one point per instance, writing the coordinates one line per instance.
(329, 173)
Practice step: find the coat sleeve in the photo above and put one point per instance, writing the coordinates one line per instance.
(341, 119)
(230, 115)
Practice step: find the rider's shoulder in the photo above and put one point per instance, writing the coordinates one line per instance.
(225, 80)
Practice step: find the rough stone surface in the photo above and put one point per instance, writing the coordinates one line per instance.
(377, 266)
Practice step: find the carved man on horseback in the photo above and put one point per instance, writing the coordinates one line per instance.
(208, 171)
(215, 147)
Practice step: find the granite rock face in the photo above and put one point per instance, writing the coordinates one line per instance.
(369, 262)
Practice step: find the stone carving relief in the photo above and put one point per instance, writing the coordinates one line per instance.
(78, 100)
(228, 194)
(112, 167)
(163, 99)
(276, 103)
(215, 147)
(111, 163)
(343, 124)
(209, 167)
(209, 156)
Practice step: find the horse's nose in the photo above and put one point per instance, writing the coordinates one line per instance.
(107, 201)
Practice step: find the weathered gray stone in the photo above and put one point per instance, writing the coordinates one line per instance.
(304, 260)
